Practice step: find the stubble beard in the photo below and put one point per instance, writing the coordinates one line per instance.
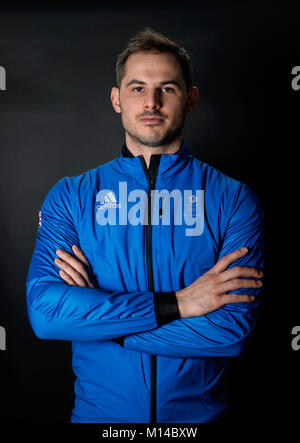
(155, 140)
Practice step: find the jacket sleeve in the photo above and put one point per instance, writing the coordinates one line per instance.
(57, 310)
(225, 331)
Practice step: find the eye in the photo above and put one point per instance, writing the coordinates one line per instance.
(137, 89)
(168, 89)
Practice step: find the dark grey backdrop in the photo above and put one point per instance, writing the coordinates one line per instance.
(56, 120)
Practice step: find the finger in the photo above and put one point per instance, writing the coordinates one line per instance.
(75, 264)
(67, 278)
(75, 275)
(239, 283)
(78, 252)
(225, 261)
(237, 298)
(240, 271)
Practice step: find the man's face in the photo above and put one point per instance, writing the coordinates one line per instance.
(152, 98)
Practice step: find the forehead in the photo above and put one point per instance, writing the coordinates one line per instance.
(153, 66)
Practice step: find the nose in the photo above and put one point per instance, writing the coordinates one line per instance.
(153, 100)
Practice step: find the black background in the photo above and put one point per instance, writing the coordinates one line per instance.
(56, 120)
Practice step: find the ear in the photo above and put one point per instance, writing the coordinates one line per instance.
(115, 99)
(193, 96)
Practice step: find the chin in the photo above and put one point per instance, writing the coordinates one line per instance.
(151, 142)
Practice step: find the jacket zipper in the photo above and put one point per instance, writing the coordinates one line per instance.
(151, 181)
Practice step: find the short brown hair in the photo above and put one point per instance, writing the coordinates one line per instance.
(147, 40)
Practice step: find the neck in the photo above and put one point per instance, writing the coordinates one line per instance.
(138, 149)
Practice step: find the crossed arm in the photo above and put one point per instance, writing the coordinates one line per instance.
(206, 295)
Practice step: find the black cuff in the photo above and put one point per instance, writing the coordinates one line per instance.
(165, 307)
(119, 340)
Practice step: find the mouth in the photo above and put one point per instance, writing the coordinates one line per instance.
(151, 120)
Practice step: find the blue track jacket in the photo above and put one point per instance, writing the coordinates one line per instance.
(134, 358)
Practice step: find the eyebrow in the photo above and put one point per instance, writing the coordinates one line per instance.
(140, 82)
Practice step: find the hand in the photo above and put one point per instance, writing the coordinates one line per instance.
(209, 292)
(74, 271)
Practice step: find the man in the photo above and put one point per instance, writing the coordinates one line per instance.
(155, 296)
